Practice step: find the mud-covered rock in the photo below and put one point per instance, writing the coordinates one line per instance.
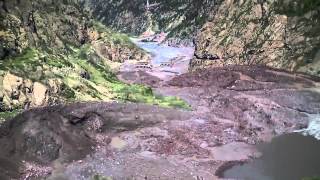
(67, 133)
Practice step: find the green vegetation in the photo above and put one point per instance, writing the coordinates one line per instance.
(99, 177)
(139, 93)
(84, 76)
(8, 114)
(109, 35)
(297, 7)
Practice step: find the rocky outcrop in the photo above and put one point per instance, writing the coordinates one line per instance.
(125, 15)
(39, 23)
(34, 24)
(279, 34)
(17, 92)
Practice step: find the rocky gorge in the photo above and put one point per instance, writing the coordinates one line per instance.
(79, 100)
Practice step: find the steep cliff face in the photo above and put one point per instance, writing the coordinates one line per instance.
(182, 18)
(279, 34)
(178, 18)
(124, 15)
(40, 23)
(53, 51)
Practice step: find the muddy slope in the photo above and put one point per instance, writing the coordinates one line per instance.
(62, 134)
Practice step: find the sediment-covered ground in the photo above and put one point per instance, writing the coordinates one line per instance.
(233, 108)
(55, 54)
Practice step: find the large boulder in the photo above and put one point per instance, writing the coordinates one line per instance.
(40, 95)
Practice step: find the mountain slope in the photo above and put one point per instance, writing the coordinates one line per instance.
(178, 18)
(54, 52)
(280, 34)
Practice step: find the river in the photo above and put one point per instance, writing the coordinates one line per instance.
(163, 53)
(167, 62)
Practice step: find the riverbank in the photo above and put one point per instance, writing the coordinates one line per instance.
(166, 62)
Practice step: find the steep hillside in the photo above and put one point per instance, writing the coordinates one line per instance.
(54, 52)
(178, 18)
(280, 34)
(124, 15)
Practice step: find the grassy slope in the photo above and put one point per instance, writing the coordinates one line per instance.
(101, 85)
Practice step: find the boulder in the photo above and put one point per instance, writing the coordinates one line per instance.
(11, 85)
(40, 95)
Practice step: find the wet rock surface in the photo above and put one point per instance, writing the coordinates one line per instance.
(234, 108)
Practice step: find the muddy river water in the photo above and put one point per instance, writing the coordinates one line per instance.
(163, 53)
(287, 157)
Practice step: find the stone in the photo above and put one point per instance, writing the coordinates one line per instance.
(7, 102)
(28, 85)
(12, 84)
(118, 143)
(55, 85)
(39, 95)
(22, 98)
(1, 94)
